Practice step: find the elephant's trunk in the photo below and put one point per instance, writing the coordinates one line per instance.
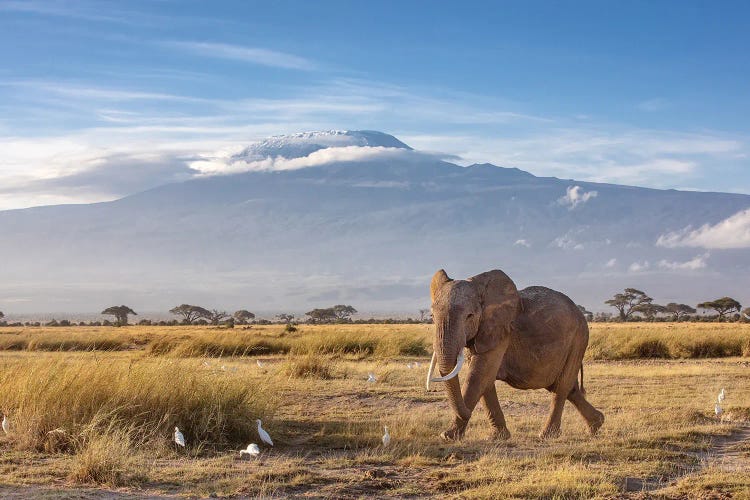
(449, 355)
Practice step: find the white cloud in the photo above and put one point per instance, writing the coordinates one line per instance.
(254, 55)
(732, 232)
(636, 267)
(522, 243)
(575, 196)
(610, 263)
(227, 163)
(566, 242)
(697, 262)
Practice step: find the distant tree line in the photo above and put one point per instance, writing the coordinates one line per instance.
(630, 305)
(636, 305)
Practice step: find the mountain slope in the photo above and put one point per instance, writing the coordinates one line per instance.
(368, 232)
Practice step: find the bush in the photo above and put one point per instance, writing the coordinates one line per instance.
(651, 349)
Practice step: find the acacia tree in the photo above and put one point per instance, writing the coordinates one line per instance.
(627, 301)
(424, 315)
(120, 313)
(586, 313)
(649, 310)
(678, 311)
(215, 316)
(343, 312)
(243, 316)
(722, 306)
(325, 315)
(285, 318)
(190, 313)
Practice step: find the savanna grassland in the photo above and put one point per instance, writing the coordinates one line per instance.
(92, 411)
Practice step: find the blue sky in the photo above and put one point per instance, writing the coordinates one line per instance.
(101, 99)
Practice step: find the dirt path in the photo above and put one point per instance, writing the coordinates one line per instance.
(725, 453)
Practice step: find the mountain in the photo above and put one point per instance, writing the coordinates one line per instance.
(361, 218)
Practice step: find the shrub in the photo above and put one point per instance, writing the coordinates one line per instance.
(651, 349)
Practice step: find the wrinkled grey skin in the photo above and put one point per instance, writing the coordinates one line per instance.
(532, 339)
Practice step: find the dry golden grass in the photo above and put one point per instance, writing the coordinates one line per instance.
(118, 410)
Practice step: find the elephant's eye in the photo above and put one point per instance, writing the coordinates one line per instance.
(470, 316)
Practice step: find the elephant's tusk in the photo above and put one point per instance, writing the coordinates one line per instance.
(429, 372)
(459, 364)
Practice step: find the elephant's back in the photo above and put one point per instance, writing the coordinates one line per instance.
(548, 331)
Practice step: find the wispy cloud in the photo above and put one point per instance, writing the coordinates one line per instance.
(732, 232)
(697, 262)
(253, 55)
(637, 267)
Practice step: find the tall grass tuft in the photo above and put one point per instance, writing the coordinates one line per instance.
(79, 398)
(309, 366)
(106, 458)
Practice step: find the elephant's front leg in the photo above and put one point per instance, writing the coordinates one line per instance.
(483, 370)
(495, 412)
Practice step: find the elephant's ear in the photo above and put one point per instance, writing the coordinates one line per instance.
(500, 306)
(438, 280)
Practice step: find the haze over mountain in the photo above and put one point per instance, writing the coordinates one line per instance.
(313, 219)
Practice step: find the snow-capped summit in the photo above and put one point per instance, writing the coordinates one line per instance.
(304, 143)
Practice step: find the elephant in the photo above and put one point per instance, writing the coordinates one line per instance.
(531, 339)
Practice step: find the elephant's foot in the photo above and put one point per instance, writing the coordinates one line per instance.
(549, 432)
(456, 431)
(596, 422)
(501, 433)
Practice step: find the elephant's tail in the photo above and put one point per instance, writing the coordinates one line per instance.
(582, 389)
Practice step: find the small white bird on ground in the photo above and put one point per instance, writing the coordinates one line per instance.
(6, 424)
(178, 437)
(207, 364)
(260, 363)
(410, 365)
(722, 395)
(416, 364)
(386, 437)
(252, 449)
(718, 410)
(263, 434)
(371, 378)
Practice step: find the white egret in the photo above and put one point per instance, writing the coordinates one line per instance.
(252, 450)
(6, 424)
(410, 365)
(263, 434)
(371, 378)
(223, 368)
(260, 363)
(386, 437)
(416, 364)
(722, 395)
(178, 437)
(718, 410)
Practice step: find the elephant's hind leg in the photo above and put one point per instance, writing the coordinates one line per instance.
(495, 412)
(552, 428)
(594, 418)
